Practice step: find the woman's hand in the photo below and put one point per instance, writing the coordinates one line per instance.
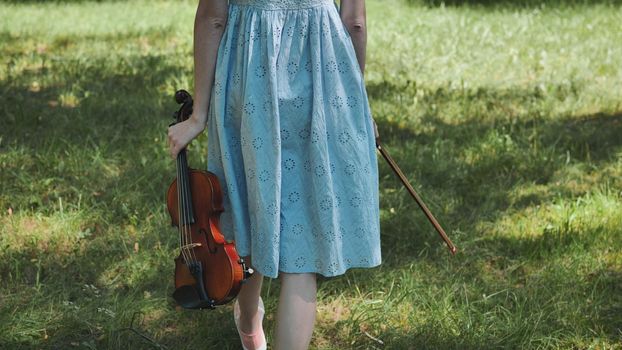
(180, 134)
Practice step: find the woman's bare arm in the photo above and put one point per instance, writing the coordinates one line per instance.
(209, 26)
(353, 16)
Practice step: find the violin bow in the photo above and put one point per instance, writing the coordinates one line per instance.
(424, 208)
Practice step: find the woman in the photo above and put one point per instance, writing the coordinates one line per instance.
(279, 84)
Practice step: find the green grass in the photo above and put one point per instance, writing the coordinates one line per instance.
(507, 119)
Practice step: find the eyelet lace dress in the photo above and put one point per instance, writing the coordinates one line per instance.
(290, 136)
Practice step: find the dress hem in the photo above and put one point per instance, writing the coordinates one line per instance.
(337, 274)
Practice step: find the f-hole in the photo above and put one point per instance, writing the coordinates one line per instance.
(213, 248)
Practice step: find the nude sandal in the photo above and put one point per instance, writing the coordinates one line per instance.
(253, 341)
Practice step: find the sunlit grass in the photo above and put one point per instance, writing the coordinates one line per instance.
(507, 119)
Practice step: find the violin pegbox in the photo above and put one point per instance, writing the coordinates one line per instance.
(183, 98)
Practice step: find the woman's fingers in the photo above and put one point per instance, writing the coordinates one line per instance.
(174, 151)
(174, 140)
(180, 134)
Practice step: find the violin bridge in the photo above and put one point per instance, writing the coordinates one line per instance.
(191, 245)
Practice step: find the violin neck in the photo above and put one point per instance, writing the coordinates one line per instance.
(186, 214)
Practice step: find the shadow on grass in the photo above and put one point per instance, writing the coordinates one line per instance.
(97, 133)
(117, 111)
(104, 138)
(468, 169)
(472, 163)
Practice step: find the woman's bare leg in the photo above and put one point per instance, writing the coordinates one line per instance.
(295, 317)
(248, 298)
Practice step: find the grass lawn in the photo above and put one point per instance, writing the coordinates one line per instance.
(507, 119)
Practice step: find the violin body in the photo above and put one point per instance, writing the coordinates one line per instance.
(208, 270)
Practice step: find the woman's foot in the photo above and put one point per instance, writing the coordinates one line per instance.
(255, 339)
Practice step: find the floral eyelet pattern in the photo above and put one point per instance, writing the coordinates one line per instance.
(297, 229)
(264, 176)
(336, 101)
(249, 108)
(257, 143)
(289, 164)
(294, 197)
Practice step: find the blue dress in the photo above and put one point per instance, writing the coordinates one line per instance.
(291, 138)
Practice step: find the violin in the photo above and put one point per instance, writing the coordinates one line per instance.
(208, 270)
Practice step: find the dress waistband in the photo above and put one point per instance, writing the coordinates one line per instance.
(282, 4)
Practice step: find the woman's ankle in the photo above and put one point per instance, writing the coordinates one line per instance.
(250, 325)
(250, 316)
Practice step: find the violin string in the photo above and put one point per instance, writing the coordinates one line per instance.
(186, 222)
(188, 213)
(187, 232)
(181, 214)
(179, 211)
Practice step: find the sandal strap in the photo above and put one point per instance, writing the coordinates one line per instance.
(255, 340)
